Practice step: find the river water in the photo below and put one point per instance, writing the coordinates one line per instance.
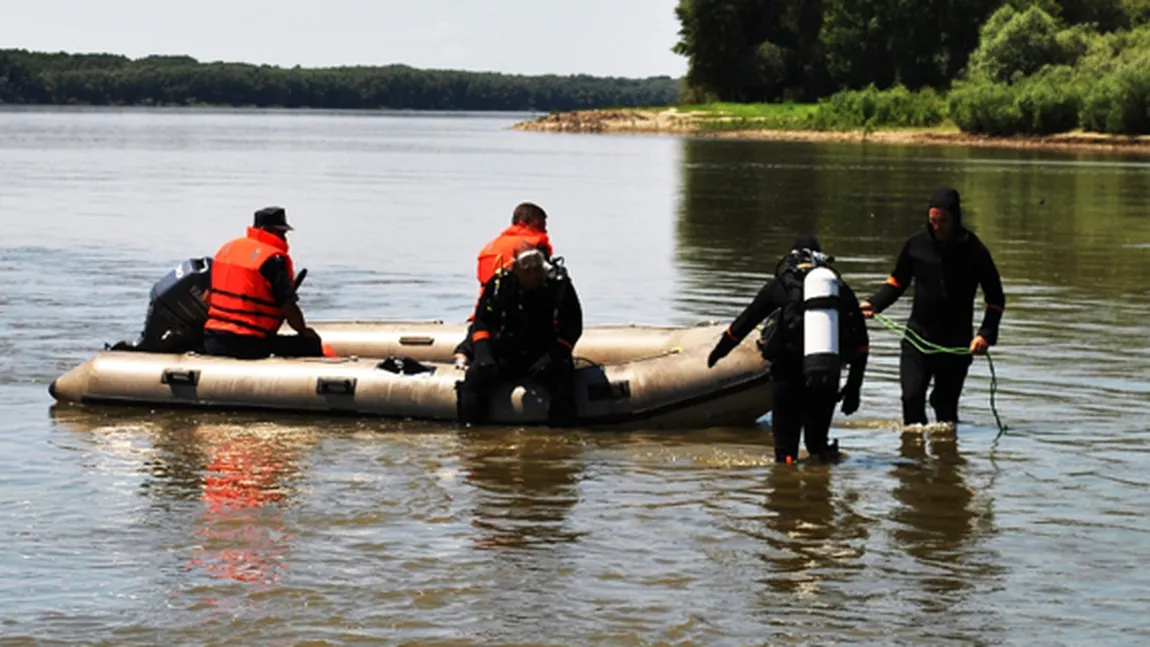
(136, 527)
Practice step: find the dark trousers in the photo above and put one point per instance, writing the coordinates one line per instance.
(250, 347)
(799, 410)
(474, 392)
(915, 370)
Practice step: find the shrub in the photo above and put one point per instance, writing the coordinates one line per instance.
(1049, 102)
(873, 108)
(1119, 102)
(984, 107)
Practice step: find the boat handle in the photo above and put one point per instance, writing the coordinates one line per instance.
(172, 376)
(416, 341)
(335, 385)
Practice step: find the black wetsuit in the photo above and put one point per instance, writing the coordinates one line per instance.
(946, 278)
(796, 407)
(518, 332)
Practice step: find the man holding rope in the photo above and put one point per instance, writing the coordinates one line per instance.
(947, 263)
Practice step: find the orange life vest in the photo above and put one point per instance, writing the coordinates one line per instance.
(500, 252)
(240, 300)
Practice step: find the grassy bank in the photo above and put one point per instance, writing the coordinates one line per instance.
(895, 116)
(865, 111)
(718, 117)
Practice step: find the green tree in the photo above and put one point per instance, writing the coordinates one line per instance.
(751, 50)
(1017, 43)
(711, 37)
(887, 42)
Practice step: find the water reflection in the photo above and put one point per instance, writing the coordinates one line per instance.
(1078, 225)
(814, 535)
(526, 485)
(941, 522)
(243, 474)
(1073, 226)
(249, 476)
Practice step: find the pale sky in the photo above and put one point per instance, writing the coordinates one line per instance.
(629, 38)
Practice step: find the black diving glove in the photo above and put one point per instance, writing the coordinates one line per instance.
(850, 398)
(850, 393)
(721, 349)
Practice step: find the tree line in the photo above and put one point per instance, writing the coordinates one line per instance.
(802, 50)
(109, 79)
(992, 66)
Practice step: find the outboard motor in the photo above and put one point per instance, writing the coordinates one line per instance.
(177, 309)
(821, 358)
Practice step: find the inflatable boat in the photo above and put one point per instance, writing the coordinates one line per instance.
(435, 341)
(639, 376)
(626, 376)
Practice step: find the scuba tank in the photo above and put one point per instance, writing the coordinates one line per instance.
(808, 325)
(822, 362)
(557, 271)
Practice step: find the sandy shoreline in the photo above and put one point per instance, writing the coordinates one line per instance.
(676, 122)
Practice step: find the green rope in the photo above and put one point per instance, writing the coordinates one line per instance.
(929, 348)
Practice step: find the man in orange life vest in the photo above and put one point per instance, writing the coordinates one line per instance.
(528, 227)
(253, 293)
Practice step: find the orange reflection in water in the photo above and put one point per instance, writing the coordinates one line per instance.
(244, 485)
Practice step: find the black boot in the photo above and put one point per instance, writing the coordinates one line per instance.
(470, 405)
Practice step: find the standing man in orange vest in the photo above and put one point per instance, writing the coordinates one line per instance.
(253, 293)
(528, 228)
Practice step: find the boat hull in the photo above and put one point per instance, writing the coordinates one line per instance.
(661, 381)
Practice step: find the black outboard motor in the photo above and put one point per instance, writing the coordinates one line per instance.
(177, 310)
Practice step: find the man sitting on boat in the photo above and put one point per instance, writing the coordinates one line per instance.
(253, 292)
(526, 323)
(528, 227)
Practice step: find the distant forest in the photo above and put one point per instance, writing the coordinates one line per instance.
(109, 79)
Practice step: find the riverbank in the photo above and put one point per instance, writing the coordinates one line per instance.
(786, 126)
